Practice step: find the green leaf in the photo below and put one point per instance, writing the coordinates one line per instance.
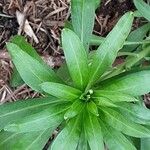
(102, 101)
(24, 141)
(108, 50)
(136, 36)
(97, 2)
(115, 140)
(76, 58)
(93, 132)
(83, 25)
(68, 138)
(114, 96)
(145, 143)
(135, 112)
(143, 8)
(83, 143)
(11, 112)
(21, 42)
(121, 123)
(75, 109)
(63, 73)
(98, 40)
(32, 71)
(135, 84)
(61, 90)
(92, 108)
(16, 80)
(26, 47)
(48, 118)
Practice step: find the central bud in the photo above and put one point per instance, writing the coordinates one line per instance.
(87, 96)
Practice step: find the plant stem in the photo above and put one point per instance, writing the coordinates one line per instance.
(128, 64)
(96, 40)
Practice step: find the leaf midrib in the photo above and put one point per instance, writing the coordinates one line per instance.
(114, 39)
(124, 123)
(78, 65)
(30, 107)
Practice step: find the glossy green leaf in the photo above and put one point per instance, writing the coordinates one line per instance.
(11, 112)
(143, 8)
(83, 143)
(121, 123)
(20, 41)
(92, 108)
(97, 2)
(115, 140)
(136, 36)
(75, 109)
(135, 112)
(63, 73)
(135, 109)
(93, 132)
(135, 84)
(145, 143)
(24, 141)
(16, 79)
(48, 118)
(83, 25)
(61, 90)
(114, 96)
(103, 101)
(108, 50)
(32, 71)
(68, 138)
(76, 58)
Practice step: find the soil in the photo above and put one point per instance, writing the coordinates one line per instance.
(110, 11)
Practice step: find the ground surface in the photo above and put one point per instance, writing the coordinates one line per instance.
(46, 18)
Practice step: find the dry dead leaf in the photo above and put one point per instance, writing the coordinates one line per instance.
(24, 25)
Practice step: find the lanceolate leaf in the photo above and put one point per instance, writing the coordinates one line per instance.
(93, 132)
(137, 110)
(83, 25)
(68, 138)
(114, 96)
(75, 109)
(61, 90)
(143, 8)
(26, 47)
(136, 36)
(63, 73)
(92, 108)
(115, 140)
(76, 58)
(32, 71)
(135, 84)
(83, 143)
(24, 141)
(107, 51)
(49, 118)
(103, 101)
(16, 80)
(11, 112)
(121, 123)
(145, 143)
